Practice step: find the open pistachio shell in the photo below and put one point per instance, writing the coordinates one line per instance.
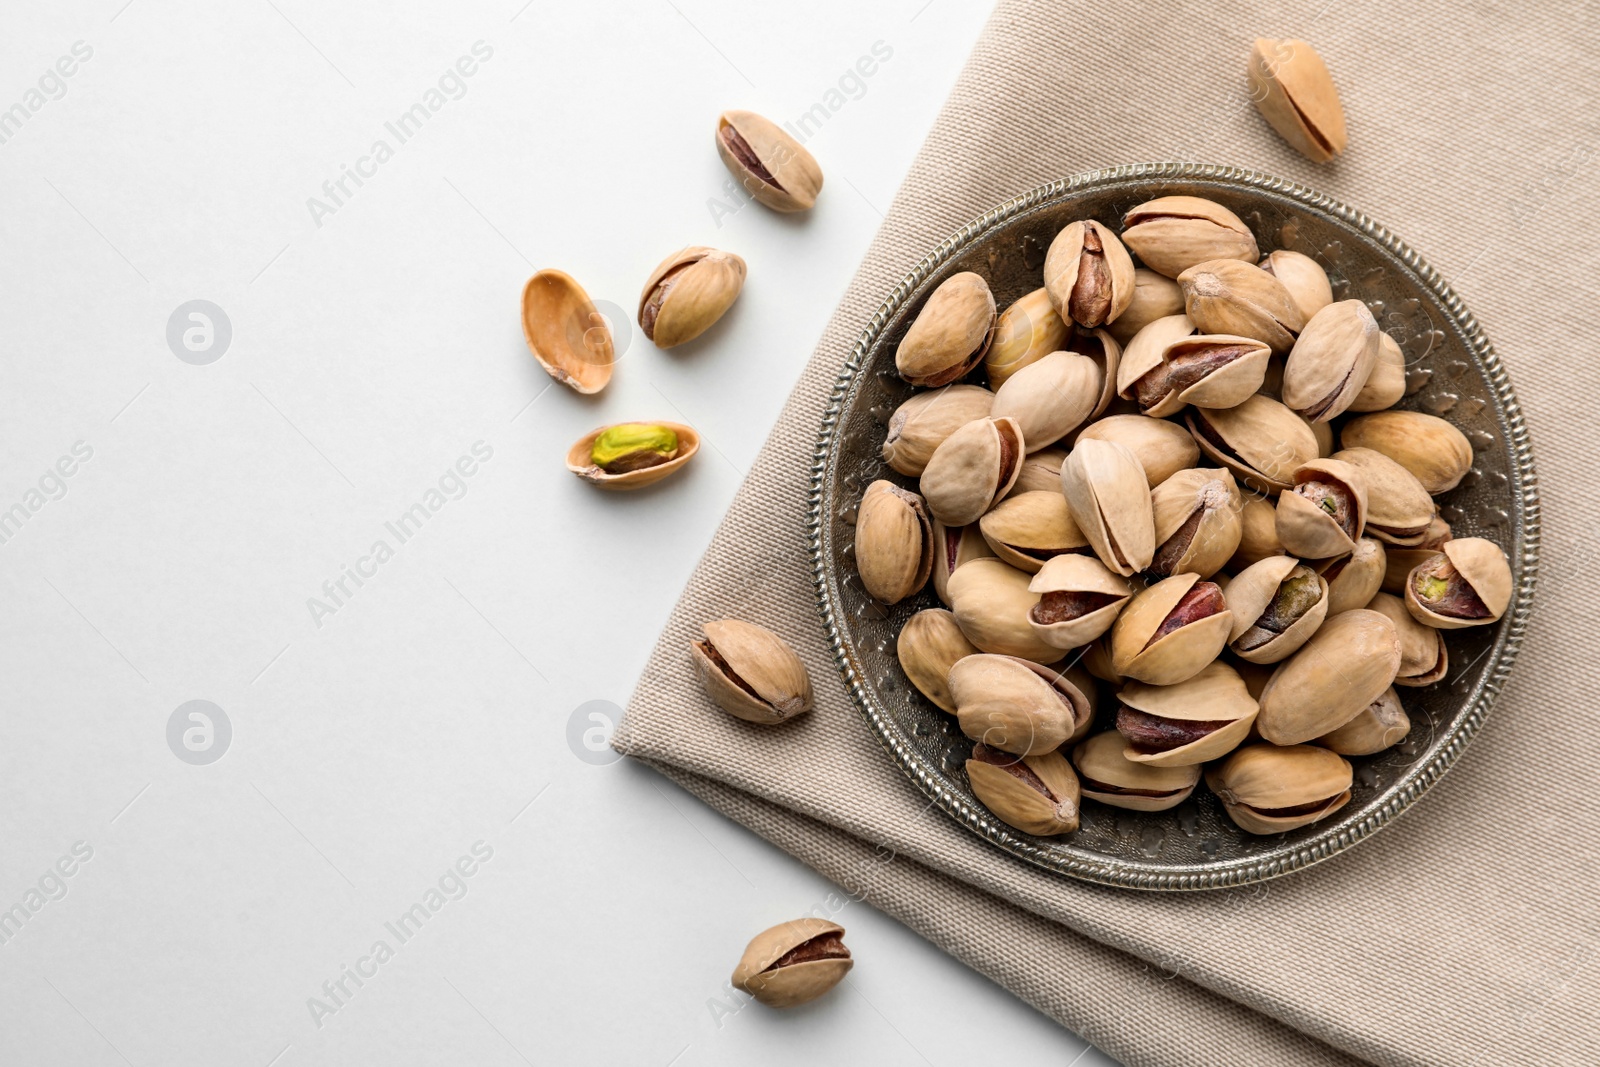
(922, 423)
(1050, 398)
(772, 166)
(1258, 533)
(1291, 87)
(1352, 658)
(1162, 448)
(1269, 790)
(1399, 509)
(1305, 279)
(1380, 725)
(1197, 516)
(1208, 370)
(751, 672)
(1109, 497)
(1262, 442)
(1354, 579)
(1435, 452)
(930, 643)
(1079, 599)
(1027, 331)
(1014, 705)
(991, 602)
(1106, 775)
(1088, 274)
(1029, 529)
(1200, 719)
(1330, 361)
(1170, 234)
(1041, 472)
(1036, 794)
(794, 962)
(1326, 512)
(581, 458)
(950, 335)
(566, 332)
(894, 542)
(1143, 353)
(1165, 635)
(1234, 297)
(1154, 297)
(1469, 586)
(953, 546)
(1267, 629)
(1424, 657)
(687, 293)
(971, 469)
(1387, 382)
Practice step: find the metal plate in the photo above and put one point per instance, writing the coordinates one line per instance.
(1452, 372)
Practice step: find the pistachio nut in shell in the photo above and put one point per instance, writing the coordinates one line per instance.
(1015, 705)
(1162, 448)
(1262, 442)
(1386, 385)
(1142, 355)
(894, 542)
(1435, 452)
(1109, 497)
(1268, 790)
(1354, 579)
(1170, 630)
(1424, 657)
(954, 546)
(772, 166)
(1197, 516)
(1079, 599)
(991, 602)
(1291, 87)
(632, 455)
(1258, 533)
(1207, 370)
(1170, 234)
(1107, 775)
(687, 293)
(1331, 360)
(1277, 605)
(1027, 330)
(794, 962)
(1031, 528)
(1325, 513)
(1467, 583)
(750, 672)
(929, 644)
(1352, 658)
(1185, 724)
(1041, 472)
(1088, 274)
(971, 469)
(1035, 794)
(950, 335)
(1303, 276)
(922, 423)
(1155, 296)
(566, 332)
(1399, 509)
(1234, 297)
(1380, 725)
(1051, 398)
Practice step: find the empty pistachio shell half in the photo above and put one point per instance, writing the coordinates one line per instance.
(1325, 513)
(1170, 630)
(1036, 794)
(1234, 297)
(1399, 509)
(1196, 720)
(773, 167)
(1304, 277)
(566, 332)
(971, 469)
(1351, 659)
(1330, 361)
(1262, 442)
(930, 643)
(1424, 658)
(1162, 448)
(1106, 774)
(894, 542)
(750, 672)
(1277, 605)
(1268, 790)
(1031, 528)
(794, 962)
(1016, 705)
(954, 546)
(1380, 725)
(1025, 333)
(1437, 453)
(922, 423)
(1079, 599)
(688, 292)
(1294, 92)
(1466, 583)
(1258, 534)
(1155, 296)
(1172, 233)
(991, 602)
(1088, 274)
(1197, 516)
(1354, 579)
(1387, 382)
(632, 455)
(1109, 497)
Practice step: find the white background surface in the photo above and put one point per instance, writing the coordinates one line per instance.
(430, 710)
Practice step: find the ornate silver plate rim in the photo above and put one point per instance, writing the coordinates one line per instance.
(1285, 858)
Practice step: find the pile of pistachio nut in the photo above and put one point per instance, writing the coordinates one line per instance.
(1185, 480)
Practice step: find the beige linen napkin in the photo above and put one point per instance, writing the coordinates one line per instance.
(1469, 931)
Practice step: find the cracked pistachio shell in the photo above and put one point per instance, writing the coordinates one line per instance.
(1197, 515)
(1386, 385)
(1029, 529)
(772, 167)
(1258, 780)
(1262, 442)
(1155, 296)
(894, 542)
(1234, 297)
(1303, 276)
(1136, 651)
(1354, 579)
(991, 602)
(1144, 352)
(1399, 509)
(1051, 398)
(1162, 448)
(688, 292)
(1330, 361)
(1238, 367)
(566, 332)
(1106, 775)
(930, 643)
(921, 424)
(1424, 659)
(1170, 234)
(1306, 528)
(1027, 331)
(1291, 87)
(763, 974)
(1380, 725)
(1088, 274)
(1258, 533)
(1216, 694)
(1252, 591)
(1035, 794)
(971, 469)
(1015, 705)
(1351, 659)
(1483, 566)
(1076, 574)
(1109, 497)
(750, 672)
(954, 546)
(1437, 453)
(626, 471)
(950, 335)
(1041, 472)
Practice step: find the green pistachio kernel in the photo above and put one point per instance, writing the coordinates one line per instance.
(633, 446)
(1432, 588)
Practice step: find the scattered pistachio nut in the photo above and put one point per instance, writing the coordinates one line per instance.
(1262, 442)
(1294, 92)
(1207, 370)
(894, 542)
(1017, 705)
(750, 672)
(1386, 385)
(1170, 630)
(566, 332)
(1424, 657)
(992, 601)
(1303, 277)
(1197, 522)
(1353, 580)
(971, 469)
(1399, 509)
(1162, 448)
(1079, 599)
(1465, 583)
(1266, 789)
(1088, 274)
(950, 335)
(794, 962)
(687, 293)
(1030, 529)
(1170, 234)
(1109, 497)
(1325, 513)
(773, 167)
(1051, 398)
(632, 455)
(1277, 606)
(1035, 794)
